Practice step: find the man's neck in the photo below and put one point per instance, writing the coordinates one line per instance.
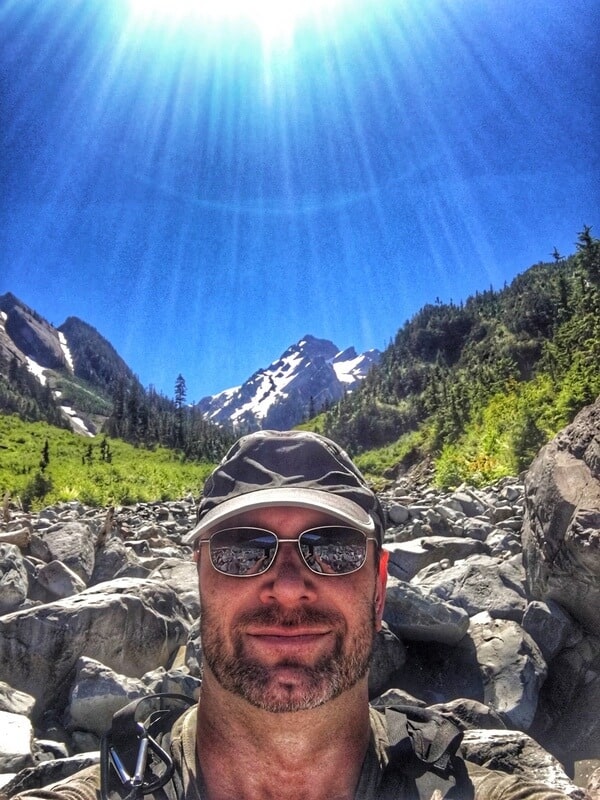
(249, 754)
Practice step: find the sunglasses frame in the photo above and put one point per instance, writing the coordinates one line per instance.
(278, 541)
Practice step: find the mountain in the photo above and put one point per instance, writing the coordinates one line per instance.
(63, 375)
(309, 376)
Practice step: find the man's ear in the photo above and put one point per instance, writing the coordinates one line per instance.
(379, 599)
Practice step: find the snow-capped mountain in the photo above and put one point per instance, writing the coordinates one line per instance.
(305, 379)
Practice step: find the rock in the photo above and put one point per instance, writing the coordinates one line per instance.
(561, 533)
(172, 681)
(512, 667)
(59, 581)
(72, 544)
(388, 659)
(480, 583)
(15, 702)
(13, 578)
(16, 738)
(130, 625)
(20, 538)
(182, 577)
(568, 719)
(97, 693)
(408, 558)
(413, 615)
(114, 561)
(549, 626)
(398, 514)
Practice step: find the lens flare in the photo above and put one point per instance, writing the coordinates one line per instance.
(275, 20)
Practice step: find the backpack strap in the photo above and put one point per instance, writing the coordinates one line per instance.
(422, 755)
(132, 761)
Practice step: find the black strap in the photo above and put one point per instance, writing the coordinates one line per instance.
(423, 757)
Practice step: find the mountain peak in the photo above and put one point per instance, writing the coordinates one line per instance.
(311, 374)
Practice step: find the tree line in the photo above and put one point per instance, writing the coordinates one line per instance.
(446, 362)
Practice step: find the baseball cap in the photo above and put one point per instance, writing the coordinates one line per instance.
(288, 468)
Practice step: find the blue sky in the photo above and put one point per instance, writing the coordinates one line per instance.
(205, 193)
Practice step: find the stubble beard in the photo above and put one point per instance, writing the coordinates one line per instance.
(330, 676)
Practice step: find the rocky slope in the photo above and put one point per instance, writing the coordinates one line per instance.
(109, 597)
(308, 376)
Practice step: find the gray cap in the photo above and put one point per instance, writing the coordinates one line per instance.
(288, 468)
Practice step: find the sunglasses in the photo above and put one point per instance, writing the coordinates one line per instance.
(327, 550)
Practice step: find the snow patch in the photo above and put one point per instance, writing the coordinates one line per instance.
(77, 423)
(3, 316)
(66, 352)
(36, 370)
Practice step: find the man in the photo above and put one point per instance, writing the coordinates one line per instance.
(292, 578)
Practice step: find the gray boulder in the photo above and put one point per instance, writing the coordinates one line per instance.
(561, 532)
(16, 739)
(182, 576)
(414, 615)
(130, 625)
(480, 583)
(59, 581)
(72, 543)
(14, 582)
(408, 558)
(512, 668)
(97, 693)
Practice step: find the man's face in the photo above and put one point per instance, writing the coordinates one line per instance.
(289, 639)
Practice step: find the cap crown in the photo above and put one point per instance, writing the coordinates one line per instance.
(288, 459)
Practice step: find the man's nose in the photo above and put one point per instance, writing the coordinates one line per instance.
(288, 580)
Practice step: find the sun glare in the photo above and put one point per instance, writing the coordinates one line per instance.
(275, 20)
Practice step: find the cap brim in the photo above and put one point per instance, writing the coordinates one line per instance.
(329, 503)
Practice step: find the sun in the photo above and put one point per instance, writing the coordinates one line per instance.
(275, 20)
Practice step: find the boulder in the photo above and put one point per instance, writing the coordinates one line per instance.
(512, 668)
(561, 532)
(59, 581)
(98, 692)
(16, 740)
(388, 659)
(130, 625)
(412, 614)
(408, 558)
(480, 583)
(114, 560)
(182, 576)
(72, 543)
(14, 701)
(549, 626)
(568, 716)
(13, 578)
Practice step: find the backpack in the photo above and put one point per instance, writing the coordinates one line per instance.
(135, 761)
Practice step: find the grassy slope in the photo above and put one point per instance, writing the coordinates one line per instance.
(77, 471)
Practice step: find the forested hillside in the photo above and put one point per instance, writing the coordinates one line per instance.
(480, 386)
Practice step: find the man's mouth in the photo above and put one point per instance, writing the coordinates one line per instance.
(287, 638)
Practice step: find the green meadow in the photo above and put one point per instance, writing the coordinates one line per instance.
(41, 465)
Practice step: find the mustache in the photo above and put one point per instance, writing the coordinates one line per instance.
(278, 617)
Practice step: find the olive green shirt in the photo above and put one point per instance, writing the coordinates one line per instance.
(488, 784)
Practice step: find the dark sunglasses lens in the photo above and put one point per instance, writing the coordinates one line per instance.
(333, 550)
(242, 551)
